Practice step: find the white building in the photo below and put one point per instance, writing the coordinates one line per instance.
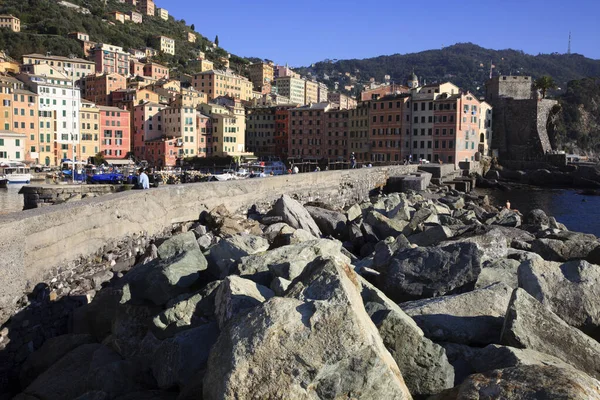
(12, 146)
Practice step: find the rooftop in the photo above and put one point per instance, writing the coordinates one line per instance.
(314, 106)
(58, 58)
(107, 108)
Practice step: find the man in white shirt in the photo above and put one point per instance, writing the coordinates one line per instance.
(143, 181)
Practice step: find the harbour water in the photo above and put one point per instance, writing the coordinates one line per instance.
(580, 213)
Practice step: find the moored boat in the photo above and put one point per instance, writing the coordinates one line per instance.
(15, 172)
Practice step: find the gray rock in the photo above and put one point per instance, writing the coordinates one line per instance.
(567, 250)
(200, 230)
(288, 261)
(295, 215)
(223, 256)
(537, 217)
(529, 325)
(179, 358)
(454, 202)
(272, 231)
(473, 318)
(318, 342)
(498, 357)
(431, 236)
(178, 244)
(331, 223)
(418, 219)
(236, 295)
(354, 212)
(383, 226)
(279, 286)
(68, 378)
(570, 290)
(527, 382)
(502, 270)
(51, 351)
(149, 395)
(423, 364)
(97, 317)
(492, 244)
(187, 311)
(492, 174)
(160, 280)
(94, 395)
(205, 241)
(401, 212)
(129, 327)
(426, 272)
(507, 218)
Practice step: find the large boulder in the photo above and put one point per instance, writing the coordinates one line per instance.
(527, 382)
(507, 218)
(73, 374)
(498, 357)
(423, 364)
(473, 318)
(160, 280)
(432, 236)
(223, 256)
(318, 342)
(178, 244)
(186, 311)
(51, 351)
(492, 244)
(537, 218)
(500, 270)
(236, 295)
(179, 358)
(425, 272)
(287, 262)
(331, 223)
(295, 215)
(530, 325)
(563, 250)
(383, 226)
(570, 290)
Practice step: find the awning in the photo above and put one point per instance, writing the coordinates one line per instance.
(119, 162)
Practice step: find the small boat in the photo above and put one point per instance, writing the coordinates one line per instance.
(15, 172)
(3, 183)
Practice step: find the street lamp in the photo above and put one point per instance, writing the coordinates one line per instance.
(71, 121)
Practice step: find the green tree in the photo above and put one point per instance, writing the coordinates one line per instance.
(217, 40)
(193, 27)
(543, 84)
(99, 158)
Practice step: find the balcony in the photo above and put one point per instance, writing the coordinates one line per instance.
(179, 143)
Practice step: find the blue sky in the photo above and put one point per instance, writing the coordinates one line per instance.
(301, 33)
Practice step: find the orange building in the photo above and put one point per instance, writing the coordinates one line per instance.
(98, 88)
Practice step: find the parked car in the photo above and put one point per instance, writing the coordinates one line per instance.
(423, 161)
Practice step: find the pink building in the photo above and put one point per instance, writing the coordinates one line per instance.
(204, 129)
(147, 126)
(115, 132)
(156, 71)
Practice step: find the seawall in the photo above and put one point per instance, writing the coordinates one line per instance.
(38, 241)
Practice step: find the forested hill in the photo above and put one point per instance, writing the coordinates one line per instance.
(465, 64)
(45, 24)
(577, 126)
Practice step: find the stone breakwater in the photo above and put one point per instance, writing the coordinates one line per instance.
(432, 294)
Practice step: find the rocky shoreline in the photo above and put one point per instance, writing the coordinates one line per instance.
(434, 294)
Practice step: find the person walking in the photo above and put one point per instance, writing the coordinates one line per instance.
(143, 181)
(295, 170)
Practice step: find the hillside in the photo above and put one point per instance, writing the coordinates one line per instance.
(44, 24)
(465, 64)
(577, 126)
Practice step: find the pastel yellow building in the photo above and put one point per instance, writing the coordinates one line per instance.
(89, 127)
(311, 92)
(11, 22)
(229, 129)
(216, 83)
(162, 13)
(261, 75)
(165, 44)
